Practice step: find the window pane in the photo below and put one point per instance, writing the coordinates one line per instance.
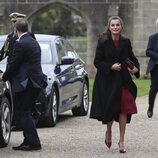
(60, 50)
(45, 53)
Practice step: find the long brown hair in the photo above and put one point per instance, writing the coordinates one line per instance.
(106, 34)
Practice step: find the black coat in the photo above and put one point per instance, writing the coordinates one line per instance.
(108, 83)
(25, 65)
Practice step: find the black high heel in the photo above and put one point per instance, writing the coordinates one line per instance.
(121, 150)
(108, 144)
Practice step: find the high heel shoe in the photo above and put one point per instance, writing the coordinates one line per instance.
(121, 150)
(108, 144)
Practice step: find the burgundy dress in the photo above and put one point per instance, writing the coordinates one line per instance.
(128, 105)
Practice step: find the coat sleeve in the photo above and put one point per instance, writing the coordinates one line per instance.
(2, 53)
(132, 57)
(99, 60)
(150, 52)
(5, 49)
(15, 63)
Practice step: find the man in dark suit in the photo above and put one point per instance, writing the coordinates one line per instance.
(25, 73)
(152, 52)
(7, 51)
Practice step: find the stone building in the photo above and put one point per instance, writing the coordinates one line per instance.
(139, 17)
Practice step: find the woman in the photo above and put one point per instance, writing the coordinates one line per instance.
(114, 92)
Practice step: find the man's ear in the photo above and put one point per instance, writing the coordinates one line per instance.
(16, 32)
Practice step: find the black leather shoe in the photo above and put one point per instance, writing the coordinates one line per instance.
(27, 147)
(14, 128)
(150, 113)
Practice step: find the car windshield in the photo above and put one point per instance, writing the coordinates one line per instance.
(45, 52)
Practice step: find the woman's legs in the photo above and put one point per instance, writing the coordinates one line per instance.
(122, 126)
(109, 126)
(108, 141)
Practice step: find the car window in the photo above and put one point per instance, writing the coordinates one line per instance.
(60, 49)
(5, 59)
(45, 52)
(69, 51)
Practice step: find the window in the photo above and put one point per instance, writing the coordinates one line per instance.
(60, 49)
(69, 51)
(45, 53)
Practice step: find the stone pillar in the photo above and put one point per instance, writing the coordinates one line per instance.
(145, 14)
(30, 24)
(95, 22)
(4, 22)
(91, 47)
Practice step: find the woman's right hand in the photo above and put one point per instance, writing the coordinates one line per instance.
(116, 66)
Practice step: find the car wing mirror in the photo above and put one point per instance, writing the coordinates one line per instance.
(57, 69)
(66, 60)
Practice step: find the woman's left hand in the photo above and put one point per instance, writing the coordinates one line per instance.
(133, 71)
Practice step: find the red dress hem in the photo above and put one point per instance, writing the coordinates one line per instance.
(128, 105)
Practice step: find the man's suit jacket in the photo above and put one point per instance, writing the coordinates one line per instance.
(152, 51)
(25, 65)
(8, 47)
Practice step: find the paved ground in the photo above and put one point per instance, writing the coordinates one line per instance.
(81, 137)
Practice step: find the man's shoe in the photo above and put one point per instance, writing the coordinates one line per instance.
(150, 113)
(15, 128)
(27, 147)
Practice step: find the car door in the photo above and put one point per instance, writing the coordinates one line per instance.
(78, 68)
(65, 77)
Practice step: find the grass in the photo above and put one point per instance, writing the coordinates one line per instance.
(143, 86)
(79, 38)
(83, 56)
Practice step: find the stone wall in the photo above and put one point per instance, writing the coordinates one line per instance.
(145, 15)
(138, 15)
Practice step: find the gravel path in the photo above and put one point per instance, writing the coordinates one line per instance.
(81, 137)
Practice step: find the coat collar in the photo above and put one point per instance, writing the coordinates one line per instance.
(22, 35)
(121, 39)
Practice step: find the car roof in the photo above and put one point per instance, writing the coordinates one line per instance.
(42, 37)
(46, 37)
(3, 37)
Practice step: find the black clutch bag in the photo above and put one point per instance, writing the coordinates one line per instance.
(129, 63)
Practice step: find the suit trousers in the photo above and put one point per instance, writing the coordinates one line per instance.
(153, 87)
(24, 102)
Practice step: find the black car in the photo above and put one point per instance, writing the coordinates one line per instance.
(67, 78)
(6, 113)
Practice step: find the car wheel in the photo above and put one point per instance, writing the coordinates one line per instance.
(82, 110)
(51, 119)
(5, 122)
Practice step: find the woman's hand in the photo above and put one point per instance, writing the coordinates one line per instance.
(116, 66)
(133, 71)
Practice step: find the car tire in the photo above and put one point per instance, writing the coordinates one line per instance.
(5, 122)
(82, 110)
(51, 119)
